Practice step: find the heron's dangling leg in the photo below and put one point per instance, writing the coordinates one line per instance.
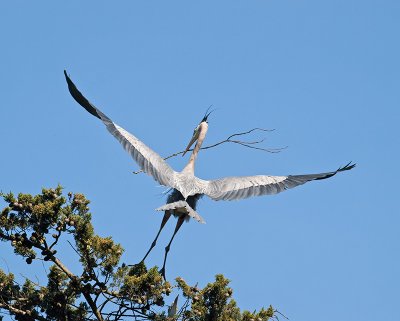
(167, 215)
(181, 219)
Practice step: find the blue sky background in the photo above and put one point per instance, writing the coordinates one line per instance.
(324, 74)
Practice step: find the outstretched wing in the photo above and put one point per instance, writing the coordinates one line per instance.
(234, 188)
(147, 159)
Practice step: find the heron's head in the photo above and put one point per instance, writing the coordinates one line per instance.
(200, 128)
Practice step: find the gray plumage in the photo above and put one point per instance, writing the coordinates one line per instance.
(186, 187)
(185, 182)
(178, 206)
(234, 188)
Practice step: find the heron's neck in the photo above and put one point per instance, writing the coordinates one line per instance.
(189, 168)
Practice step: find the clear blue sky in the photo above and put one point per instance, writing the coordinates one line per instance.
(324, 74)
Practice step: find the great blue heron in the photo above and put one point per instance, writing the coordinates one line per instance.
(187, 188)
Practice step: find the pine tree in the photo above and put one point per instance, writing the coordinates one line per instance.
(105, 289)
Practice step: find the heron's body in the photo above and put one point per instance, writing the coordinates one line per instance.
(187, 188)
(176, 197)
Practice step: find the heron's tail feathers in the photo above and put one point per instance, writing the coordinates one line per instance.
(181, 207)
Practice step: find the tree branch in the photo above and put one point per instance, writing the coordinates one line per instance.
(21, 312)
(239, 142)
(85, 293)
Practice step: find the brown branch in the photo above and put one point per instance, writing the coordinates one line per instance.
(56, 239)
(21, 312)
(250, 131)
(57, 262)
(239, 142)
(102, 306)
(85, 293)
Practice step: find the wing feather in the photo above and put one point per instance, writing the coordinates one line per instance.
(147, 159)
(234, 188)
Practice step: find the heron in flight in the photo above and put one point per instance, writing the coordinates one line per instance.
(186, 187)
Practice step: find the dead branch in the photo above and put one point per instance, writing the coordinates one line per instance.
(248, 144)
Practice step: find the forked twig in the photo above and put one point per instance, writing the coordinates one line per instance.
(281, 314)
(248, 144)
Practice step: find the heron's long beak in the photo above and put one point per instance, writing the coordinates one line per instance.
(194, 138)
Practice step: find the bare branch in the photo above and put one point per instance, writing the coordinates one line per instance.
(34, 283)
(281, 314)
(239, 142)
(5, 262)
(73, 247)
(21, 312)
(250, 131)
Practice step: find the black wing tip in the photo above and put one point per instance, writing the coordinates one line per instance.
(79, 98)
(347, 167)
(69, 81)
